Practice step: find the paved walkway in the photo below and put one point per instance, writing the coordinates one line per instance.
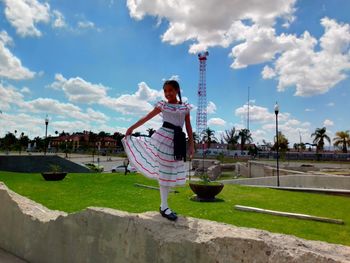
(6, 257)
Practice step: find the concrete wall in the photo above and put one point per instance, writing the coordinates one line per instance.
(39, 235)
(263, 169)
(299, 165)
(38, 164)
(311, 181)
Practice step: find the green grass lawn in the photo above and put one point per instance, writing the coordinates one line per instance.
(78, 191)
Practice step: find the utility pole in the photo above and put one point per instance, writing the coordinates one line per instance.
(248, 108)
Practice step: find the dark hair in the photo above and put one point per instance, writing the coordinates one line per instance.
(175, 85)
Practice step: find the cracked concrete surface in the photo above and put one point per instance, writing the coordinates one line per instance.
(38, 234)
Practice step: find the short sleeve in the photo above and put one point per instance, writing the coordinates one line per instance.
(159, 104)
(189, 107)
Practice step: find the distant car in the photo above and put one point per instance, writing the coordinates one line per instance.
(121, 169)
(94, 167)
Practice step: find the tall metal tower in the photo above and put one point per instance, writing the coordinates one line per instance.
(202, 94)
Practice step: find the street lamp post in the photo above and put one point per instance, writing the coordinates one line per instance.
(277, 144)
(66, 149)
(46, 124)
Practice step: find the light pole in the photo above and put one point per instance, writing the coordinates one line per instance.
(277, 144)
(46, 124)
(66, 148)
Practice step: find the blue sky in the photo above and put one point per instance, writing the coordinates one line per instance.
(99, 65)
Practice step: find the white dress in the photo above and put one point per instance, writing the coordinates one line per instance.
(154, 156)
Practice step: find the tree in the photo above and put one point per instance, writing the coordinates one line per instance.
(245, 136)
(282, 142)
(118, 137)
(92, 143)
(320, 135)
(268, 145)
(196, 137)
(9, 140)
(209, 136)
(137, 134)
(231, 138)
(150, 131)
(39, 142)
(63, 133)
(342, 140)
(299, 146)
(23, 141)
(103, 134)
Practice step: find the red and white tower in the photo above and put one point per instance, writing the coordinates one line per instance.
(202, 94)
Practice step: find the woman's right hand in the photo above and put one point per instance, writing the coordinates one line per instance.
(129, 131)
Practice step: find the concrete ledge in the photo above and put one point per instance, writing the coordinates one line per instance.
(306, 181)
(6, 257)
(37, 234)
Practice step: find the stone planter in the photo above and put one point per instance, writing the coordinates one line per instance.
(206, 192)
(54, 176)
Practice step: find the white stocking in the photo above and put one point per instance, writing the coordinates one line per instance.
(164, 191)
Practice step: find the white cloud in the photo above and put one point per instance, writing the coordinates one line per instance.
(331, 104)
(61, 109)
(96, 116)
(78, 90)
(261, 45)
(314, 70)
(173, 77)
(134, 104)
(313, 66)
(258, 135)
(125, 119)
(86, 25)
(29, 124)
(73, 118)
(25, 90)
(328, 123)
(5, 38)
(216, 122)
(25, 14)
(9, 96)
(268, 73)
(211, 108)
(264, 124)
(59, 20)
(258, 114)
(210, 23)
(11, 66)
(70, 126)
(309, 110)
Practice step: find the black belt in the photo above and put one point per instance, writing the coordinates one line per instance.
(179, 141)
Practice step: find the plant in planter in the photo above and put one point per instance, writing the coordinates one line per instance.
(205, 189)
(55, 174)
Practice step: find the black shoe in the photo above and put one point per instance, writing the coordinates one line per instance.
(160, 210)
(172, 216)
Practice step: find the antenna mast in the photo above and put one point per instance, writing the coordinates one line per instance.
(202, 94)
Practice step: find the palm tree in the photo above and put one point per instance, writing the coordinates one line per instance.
(230, 137)
(150, 131)
(342, 140)
(245, 136)
(320, 135)
(209, 136)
